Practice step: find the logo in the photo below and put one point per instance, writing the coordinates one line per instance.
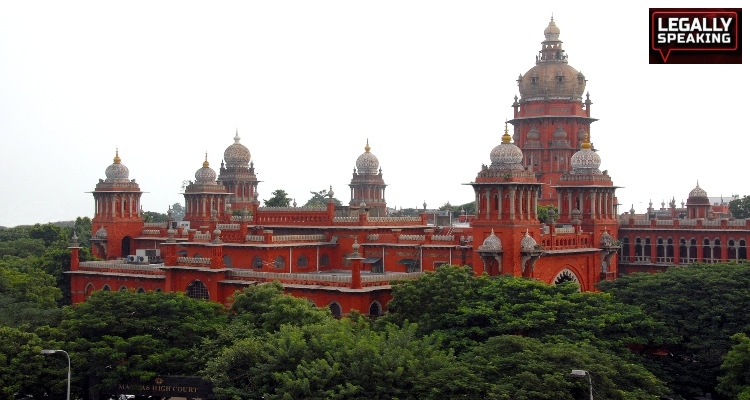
(695, 36)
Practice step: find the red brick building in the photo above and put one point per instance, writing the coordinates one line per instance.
(347, 259)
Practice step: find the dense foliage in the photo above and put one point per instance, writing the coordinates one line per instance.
(740, 208)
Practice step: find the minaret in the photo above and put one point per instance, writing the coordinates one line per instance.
(367, 185)
(238, 175)
(117, 213)
(551, 118)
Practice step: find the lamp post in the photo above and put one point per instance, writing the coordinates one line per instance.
(66, 355)
(580, 373)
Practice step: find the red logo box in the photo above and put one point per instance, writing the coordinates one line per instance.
(695, 36)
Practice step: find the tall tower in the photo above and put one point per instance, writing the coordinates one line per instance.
(205, 199)
(367, 184)
(238, 176)
(117, 213)
(506, 197)
(551, 118)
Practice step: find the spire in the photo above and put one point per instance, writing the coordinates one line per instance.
(367, 146)
(236, 135)
(506, 136)
(586, 145)
(205, 162)
(117, 156)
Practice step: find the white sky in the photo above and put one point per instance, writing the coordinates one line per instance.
(430, 83)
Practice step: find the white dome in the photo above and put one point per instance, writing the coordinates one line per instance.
(506, 155)
(367, 163)
(117, 172)
(606, 240)
(237, 155)
(528, 242)
(206, 174)
(586, 161)
(698, 191)
(491, 243)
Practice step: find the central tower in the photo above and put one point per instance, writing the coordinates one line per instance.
(551, 119)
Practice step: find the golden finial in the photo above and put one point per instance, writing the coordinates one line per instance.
(117, 156)
(586, 145)
(506, 136)
(205, 163)
(367, 146)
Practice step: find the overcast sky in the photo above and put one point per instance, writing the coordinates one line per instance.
(430, 83)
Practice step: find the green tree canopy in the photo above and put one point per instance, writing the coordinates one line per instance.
(700, 305)
(547, 214)
(178, 211)
(152, 216)
(320, 198)
(740, 208)
(23, 370)
(279, 198)
(28, 297)
(735, 379)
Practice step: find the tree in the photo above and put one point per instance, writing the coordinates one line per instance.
(28, 297)
(49, 233)
(701, 306)
(178, 211)
(735, 379)
(22, 370)
(279, 199)
(740, 208)
(320, 199)
(547, 214)
(152, 216)
(118, 336)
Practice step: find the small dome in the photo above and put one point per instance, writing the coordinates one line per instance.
(606, 240)
(528, 242)
(101, 233)
(237, 155)
(560, 133)
(581, 134)
(491, 243)
(533, 134)
(117, 172)
(698, 192)
(206, 174)
(551, 32)
(586, 161)
(506, 155)
(367, 163)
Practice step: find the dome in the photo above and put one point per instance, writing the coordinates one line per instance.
(101, 233)
(206, 174)
(606, 240)
(528, 242)
(237, 155)
(367, 163)
(117, 172)
(552, 77)
(533, 134)
(506, 155)
(581, 134)
(560, 133)
(586, 161)
(491, 243)
(698, 192)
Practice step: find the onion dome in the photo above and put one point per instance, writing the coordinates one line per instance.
(528, 242)
(101, 233)
(586, 161)
(581, 134)
(506, 155)
(560, 133)
(237, 155)
(533, 134)
(551, 32)
(606, 240)
(330, 191)
(698, 192)
(491, 243)
(117, 172)
(367, 163)
(205, 175)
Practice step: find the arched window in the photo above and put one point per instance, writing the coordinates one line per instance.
(742, 251)
(731, 250)
(122, 289)
(106, 288)
(88, 290)
(661, 249)
(706, 250)
(157, 290)
(717, 250)
(647, 249)
(140, 290)
(257, 262)
(639, 249)
(302, 261)
(693, 250)
(227, 261)
(670, 250)
(279, 262)
(683, 251)
(625, 252)
(375, 309)
(325, 261)
(335, 309)
(197, 290)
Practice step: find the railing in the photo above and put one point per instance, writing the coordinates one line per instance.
(194, 260)
(228, 227)
(564, 229)
(150, 231)
(443, 238)
(373, 237)
(394, 219)
(664, 222)
(299, 238)
(411, 237)
(255, 238)
(114, 265)
(240, 218)
(345, 219)
(737, 222)
(688, 222)
(295, 209)
(337, 278)
(161, 225)
(202, 236)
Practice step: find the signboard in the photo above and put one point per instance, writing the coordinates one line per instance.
(167, 386)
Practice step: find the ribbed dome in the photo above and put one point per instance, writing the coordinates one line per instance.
(581, 134)
(560, 133)
(551, 32)
(205, 175)
(586, 161)
(698, 192)
(506, 155)
(367, 163)
(101, 233)
(606, 240)
(491, 243)
(117, 172)
(533, 134)
(528, 242)
(237, 155)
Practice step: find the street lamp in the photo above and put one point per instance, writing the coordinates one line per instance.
(66, 355)
(580, 373)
